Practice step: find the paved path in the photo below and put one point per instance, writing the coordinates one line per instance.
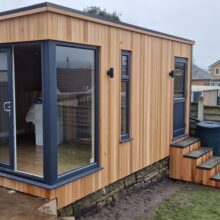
(19, 206)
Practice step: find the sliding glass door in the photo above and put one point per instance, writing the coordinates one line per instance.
(6, 110)
(48, 110)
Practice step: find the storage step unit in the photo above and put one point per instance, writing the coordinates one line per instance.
(191, 162)
(198, 153)
(216, 177)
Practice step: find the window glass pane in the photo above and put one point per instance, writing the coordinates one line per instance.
(196, 96)
(124, 106)
(124, 65)
(179, 80)
(76, 107)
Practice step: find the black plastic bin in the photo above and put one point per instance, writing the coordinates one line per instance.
(209, 134)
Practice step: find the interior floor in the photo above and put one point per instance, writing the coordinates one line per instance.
(30, 157)
(73, 155)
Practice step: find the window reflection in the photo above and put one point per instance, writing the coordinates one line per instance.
(179, 80)
(75, 104)
(125, 79)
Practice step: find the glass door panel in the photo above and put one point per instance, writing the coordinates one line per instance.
(6, 117)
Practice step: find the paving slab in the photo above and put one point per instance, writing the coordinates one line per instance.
(19, 206)
(185, 143)
(216, 177)
(198, 153)
(210, 163)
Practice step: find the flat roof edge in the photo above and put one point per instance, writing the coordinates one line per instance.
(26, 8)
(64, 8)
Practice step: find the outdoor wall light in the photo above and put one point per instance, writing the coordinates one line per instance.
(172, 74)
(110, 72)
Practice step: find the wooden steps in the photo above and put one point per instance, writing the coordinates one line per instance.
(191, 162)
(197, 153)
(216, 177)
(185, 143)
(210, 163)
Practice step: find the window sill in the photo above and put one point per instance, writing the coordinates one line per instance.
(126, 140)
(45, 185)
(180, 137)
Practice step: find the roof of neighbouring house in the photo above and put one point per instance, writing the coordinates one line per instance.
(196, 88)
(49, 5)
(215, 63)
(200, 74)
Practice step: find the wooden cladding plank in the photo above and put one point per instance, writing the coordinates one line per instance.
(59, 12)
(24, 187)
(114, 103)
(28, 28)
(135, 102)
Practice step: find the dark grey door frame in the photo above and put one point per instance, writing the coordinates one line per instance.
(179, 106)
(10, 114)
(11, 170)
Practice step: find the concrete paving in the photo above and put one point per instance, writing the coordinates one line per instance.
(20, 206)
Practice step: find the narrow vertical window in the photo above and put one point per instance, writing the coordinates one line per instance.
(125, 94)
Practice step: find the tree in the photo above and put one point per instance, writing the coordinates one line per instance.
(94, 10)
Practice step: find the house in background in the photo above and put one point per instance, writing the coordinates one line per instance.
(202, 85)
(215, 72)
(209, 93)
(200, 76)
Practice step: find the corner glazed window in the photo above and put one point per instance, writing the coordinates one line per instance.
(125, 95)
(75, 68)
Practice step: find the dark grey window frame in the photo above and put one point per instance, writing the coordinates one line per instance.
(184, 61)
(50, 177)
(95, 164)
(126, 78)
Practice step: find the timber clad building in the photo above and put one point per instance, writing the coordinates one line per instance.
(86, 101)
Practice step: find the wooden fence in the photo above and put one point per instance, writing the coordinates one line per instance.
(203, 112)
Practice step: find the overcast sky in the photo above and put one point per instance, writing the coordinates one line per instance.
(198, 20)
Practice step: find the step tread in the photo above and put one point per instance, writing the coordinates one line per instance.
(185, 143)
(210, 163)
(216, 177)
(198, 153)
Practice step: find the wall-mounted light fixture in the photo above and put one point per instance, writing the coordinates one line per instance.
(172, 74)
(110, 72)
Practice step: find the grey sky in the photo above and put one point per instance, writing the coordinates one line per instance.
(194, 19)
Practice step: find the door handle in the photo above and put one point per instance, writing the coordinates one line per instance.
(7, 107)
